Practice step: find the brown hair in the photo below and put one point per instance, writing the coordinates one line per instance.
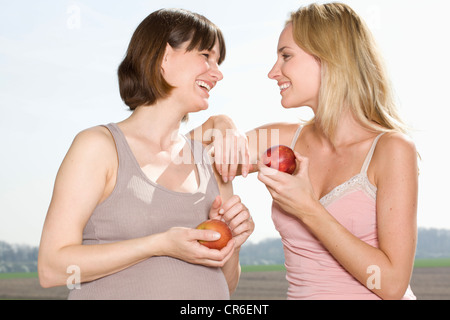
(140, 78)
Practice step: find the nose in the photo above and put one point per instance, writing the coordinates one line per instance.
(215, 72)
(274, 73)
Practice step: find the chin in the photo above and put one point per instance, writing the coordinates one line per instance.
(199, 107)
(287, 105)
(203, 106)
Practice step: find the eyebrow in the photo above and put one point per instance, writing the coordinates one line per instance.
(281, 49)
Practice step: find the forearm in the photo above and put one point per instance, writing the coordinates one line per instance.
(232, 271)
(371, 266)
(94, 261)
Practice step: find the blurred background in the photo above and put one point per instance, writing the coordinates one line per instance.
(58, 62)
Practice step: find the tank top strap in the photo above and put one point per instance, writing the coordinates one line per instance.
(119, 139)
(124, 153)
(203, 163)
(296, 135)
(197, 149)
(370, 153)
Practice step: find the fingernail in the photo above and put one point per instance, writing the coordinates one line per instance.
(221, 211)
(216, 236)
(225, 179)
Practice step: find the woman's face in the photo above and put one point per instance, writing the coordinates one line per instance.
(298, 73)
(193, 74)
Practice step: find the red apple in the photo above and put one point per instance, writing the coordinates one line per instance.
(220, 227)
(281, 158)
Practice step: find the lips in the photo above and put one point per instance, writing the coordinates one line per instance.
(205, 84)
(285, 85)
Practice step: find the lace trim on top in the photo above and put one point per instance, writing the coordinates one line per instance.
(358, 182)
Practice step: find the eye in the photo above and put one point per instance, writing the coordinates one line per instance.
(285, 56)
(206, 55)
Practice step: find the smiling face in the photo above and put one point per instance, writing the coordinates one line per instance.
(193, 74)
(298, 73)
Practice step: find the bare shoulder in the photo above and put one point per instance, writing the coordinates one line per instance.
(395, 154)
(92, 148)
(284, 127)
(96, 141)
(396, 144)
(285, 131)
(98, 135)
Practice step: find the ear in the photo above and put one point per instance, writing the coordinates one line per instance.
(167, 54)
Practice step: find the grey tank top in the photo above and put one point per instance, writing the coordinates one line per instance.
(138, 207)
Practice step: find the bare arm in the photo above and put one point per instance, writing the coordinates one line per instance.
(235, 153)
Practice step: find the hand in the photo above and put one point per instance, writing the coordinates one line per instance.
(293, 193)
(182, 243)
(230, 149)
(236, 215)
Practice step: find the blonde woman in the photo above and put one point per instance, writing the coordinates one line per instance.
(347, 216)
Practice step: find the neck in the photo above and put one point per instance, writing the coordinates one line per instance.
(347, 132)
(159, 124)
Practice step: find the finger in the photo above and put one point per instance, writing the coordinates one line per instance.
(215, 210)
(264, 178)
(224, 253)
(242, 228)
(234, 158)
(229, 158)
(267, 171)
(270, 184)
(241, 156)
(267, 177)
(238, 209)
(246, 165)
(204, 235)
(225, 162)
(218, 150)
(303, 163)
(231, 202)
(236, 216)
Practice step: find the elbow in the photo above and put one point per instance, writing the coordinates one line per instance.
(393, 291)
(47, 276)
(45, 279)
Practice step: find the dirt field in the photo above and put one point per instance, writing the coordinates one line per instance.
(427, 284)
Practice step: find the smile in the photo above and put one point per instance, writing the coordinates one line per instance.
(204, 85)
(284, 86)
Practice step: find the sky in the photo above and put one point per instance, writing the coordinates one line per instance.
(58, 64)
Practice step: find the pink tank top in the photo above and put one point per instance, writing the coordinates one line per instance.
(312, 272)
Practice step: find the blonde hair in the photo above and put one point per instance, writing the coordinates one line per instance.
(353, 73)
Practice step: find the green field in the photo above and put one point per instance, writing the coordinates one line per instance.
(18, 275)
(430, 263)
(263, 268)
(420, 263)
